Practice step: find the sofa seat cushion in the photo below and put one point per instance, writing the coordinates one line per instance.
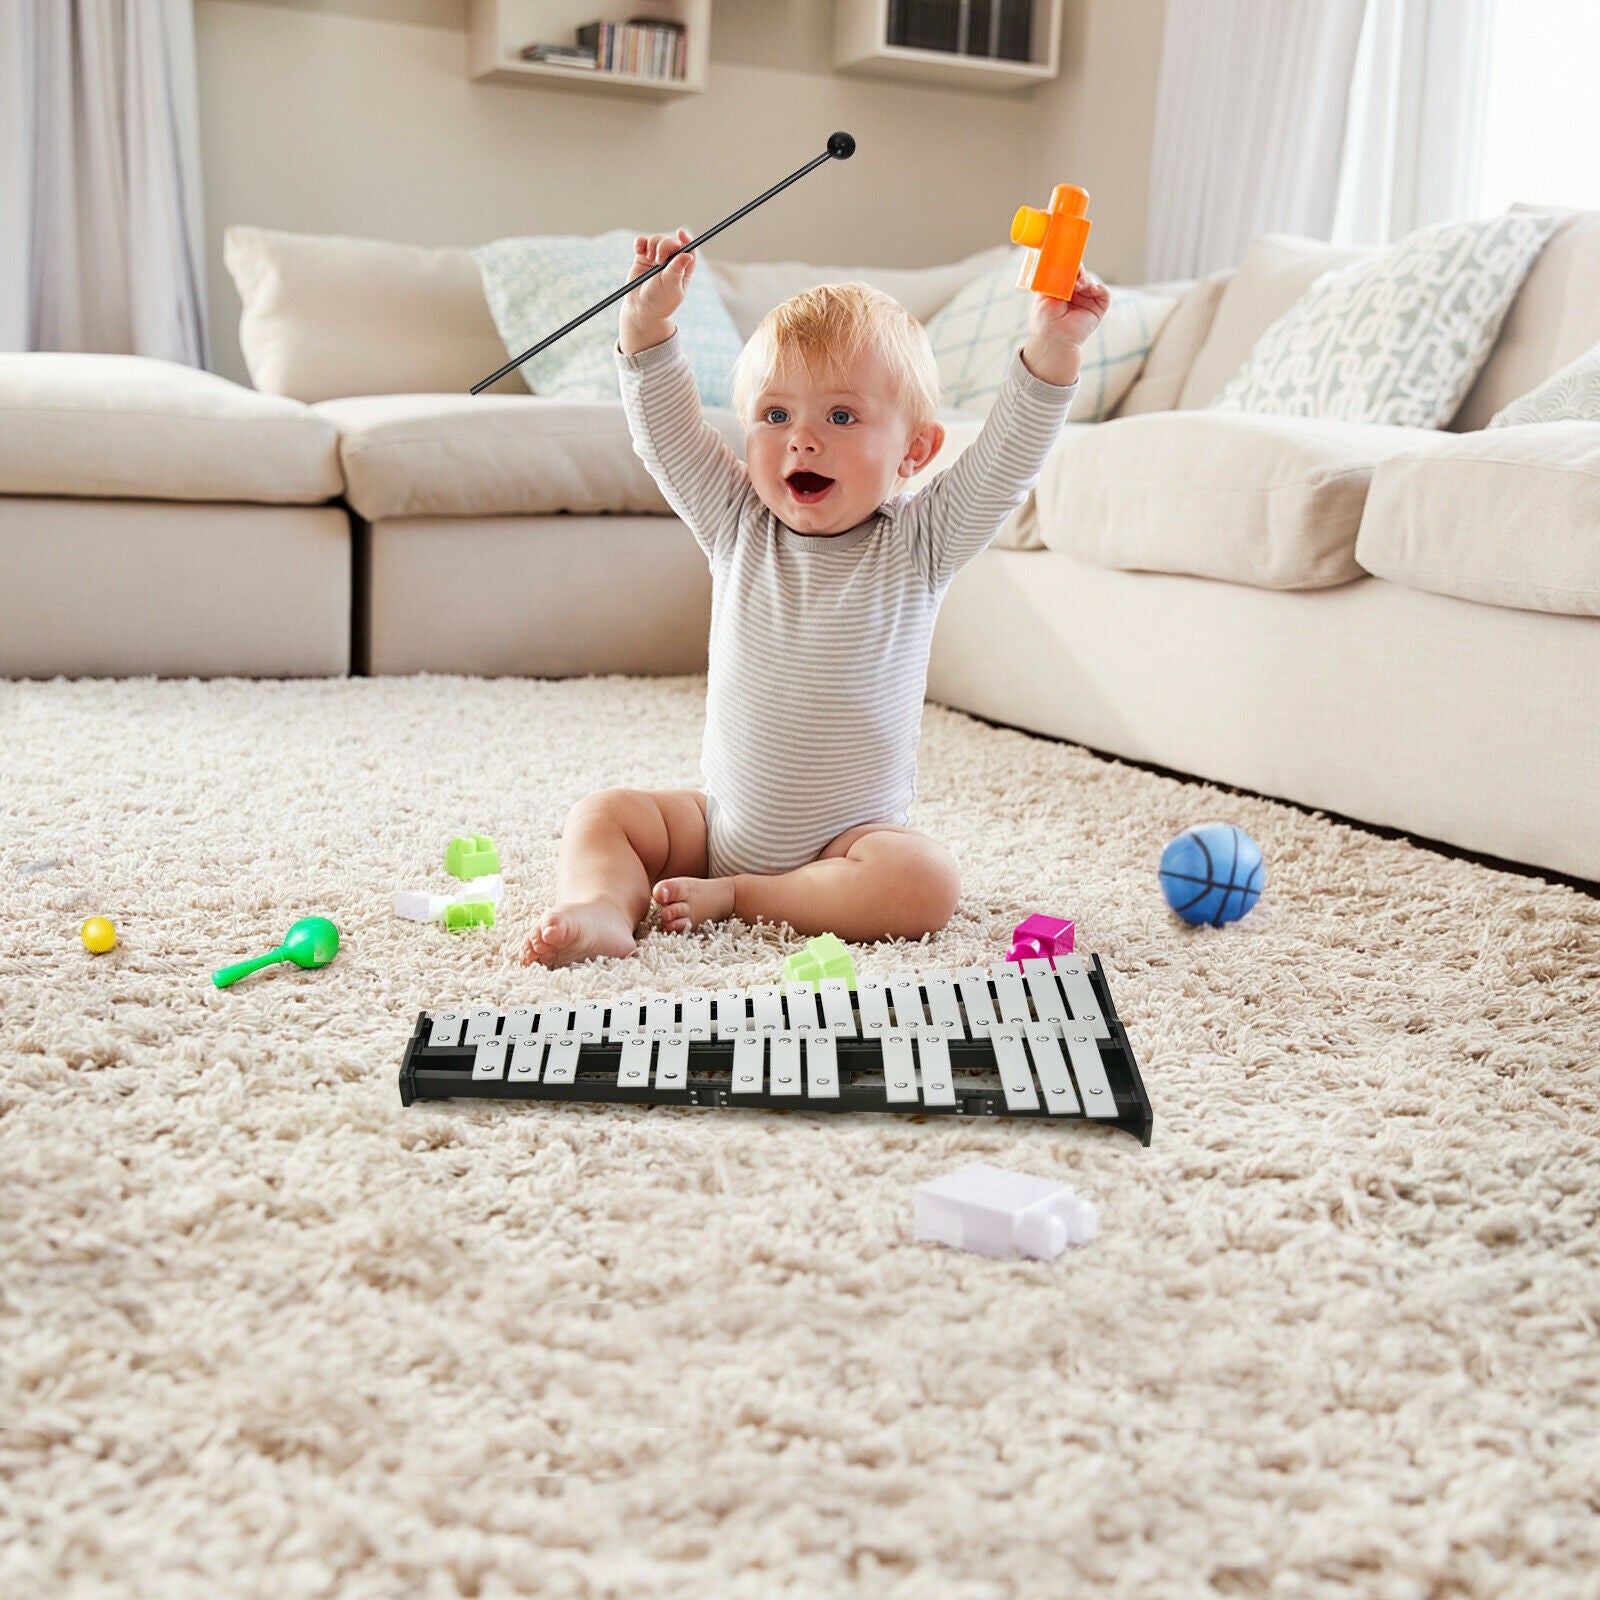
(460, 455)
(130, 427)
(1509, 516)
(1274, 502)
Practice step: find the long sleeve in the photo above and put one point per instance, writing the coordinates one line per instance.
(954, 517)
(703, 480)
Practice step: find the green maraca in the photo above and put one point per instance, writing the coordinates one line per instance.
(311, 942)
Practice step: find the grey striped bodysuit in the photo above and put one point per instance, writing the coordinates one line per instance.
(819, 646)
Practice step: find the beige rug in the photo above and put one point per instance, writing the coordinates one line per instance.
(265, 1333)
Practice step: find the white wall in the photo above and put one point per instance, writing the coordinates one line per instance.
(357, 117)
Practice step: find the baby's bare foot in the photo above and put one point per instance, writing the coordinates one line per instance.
(579, 933)
(687, 902)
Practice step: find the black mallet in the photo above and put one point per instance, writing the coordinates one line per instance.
(840, 148)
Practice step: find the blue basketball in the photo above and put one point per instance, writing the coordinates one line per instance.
(1212, 873)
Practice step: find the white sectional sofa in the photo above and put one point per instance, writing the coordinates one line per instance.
(1396, 625)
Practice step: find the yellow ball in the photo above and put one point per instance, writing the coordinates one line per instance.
(98, 935)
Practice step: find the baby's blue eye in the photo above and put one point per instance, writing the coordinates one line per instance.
(840, 415)
(776, 414)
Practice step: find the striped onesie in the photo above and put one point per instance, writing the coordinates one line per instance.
(819, 646)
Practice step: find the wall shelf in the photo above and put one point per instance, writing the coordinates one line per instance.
(497, 30)
(861, 48)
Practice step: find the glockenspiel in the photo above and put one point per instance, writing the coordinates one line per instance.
(1015, 1040)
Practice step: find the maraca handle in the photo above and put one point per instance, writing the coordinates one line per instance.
(243, 969)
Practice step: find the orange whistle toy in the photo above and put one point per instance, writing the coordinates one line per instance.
(1055, 241)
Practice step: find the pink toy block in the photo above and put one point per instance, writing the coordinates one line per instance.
(1041, 937)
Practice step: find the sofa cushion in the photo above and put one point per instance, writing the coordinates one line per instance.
(131, 427)
(1570, 395)
(976, 335)
(1554, 319)
(536, 285)
(451, 455)
(1510, 516)
(462, 455)
(1167, 366)
(1270, 501)
(1398, 337)
(751, 289)
(1277, 269)
(326, 316)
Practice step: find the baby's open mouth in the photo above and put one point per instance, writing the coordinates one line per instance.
(808, 487)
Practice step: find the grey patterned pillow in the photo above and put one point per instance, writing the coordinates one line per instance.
(1570, 395)
(1398, 337)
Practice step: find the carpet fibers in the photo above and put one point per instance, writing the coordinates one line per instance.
(263, 1332)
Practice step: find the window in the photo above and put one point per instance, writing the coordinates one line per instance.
(1541, 129)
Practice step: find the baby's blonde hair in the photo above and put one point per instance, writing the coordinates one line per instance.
(829, 327)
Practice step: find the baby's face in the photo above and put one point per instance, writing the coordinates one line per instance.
(824, 453)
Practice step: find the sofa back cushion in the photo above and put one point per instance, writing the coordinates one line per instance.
(1570, 395)
(326, 316)
(536, 285)
(975, 339)
(751, 289)
(1554, 319)
(1167, 366)
(1277, 269)
(1397, 337)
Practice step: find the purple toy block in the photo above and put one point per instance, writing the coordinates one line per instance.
(1039, 937)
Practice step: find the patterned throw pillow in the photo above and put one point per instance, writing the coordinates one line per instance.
(537, 285)
(1397, 337)
(977, 333)
(1570, 395)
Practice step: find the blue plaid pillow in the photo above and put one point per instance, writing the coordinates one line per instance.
(537, 285)
(977, 333)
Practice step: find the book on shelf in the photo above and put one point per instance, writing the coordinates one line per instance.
(561, 55)
(643, 47)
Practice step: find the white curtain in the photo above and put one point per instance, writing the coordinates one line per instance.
(1250, 120)
(100, 221)
(16, 174)
(1413, 140)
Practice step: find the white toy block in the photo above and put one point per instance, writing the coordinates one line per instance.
(420, 906)
(994, 1212)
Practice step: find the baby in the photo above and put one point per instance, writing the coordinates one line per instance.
(825, 586)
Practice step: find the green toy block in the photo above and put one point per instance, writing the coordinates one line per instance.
(823, 957)
(470, 914)
(472, 857)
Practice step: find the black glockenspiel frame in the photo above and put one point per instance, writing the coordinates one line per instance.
(444, 1072)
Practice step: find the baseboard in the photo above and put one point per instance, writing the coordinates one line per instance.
(1439, 847)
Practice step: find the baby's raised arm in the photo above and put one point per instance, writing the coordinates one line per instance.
(703, 480)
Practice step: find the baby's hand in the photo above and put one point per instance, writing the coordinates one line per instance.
(646, 317)
(1057, 329)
